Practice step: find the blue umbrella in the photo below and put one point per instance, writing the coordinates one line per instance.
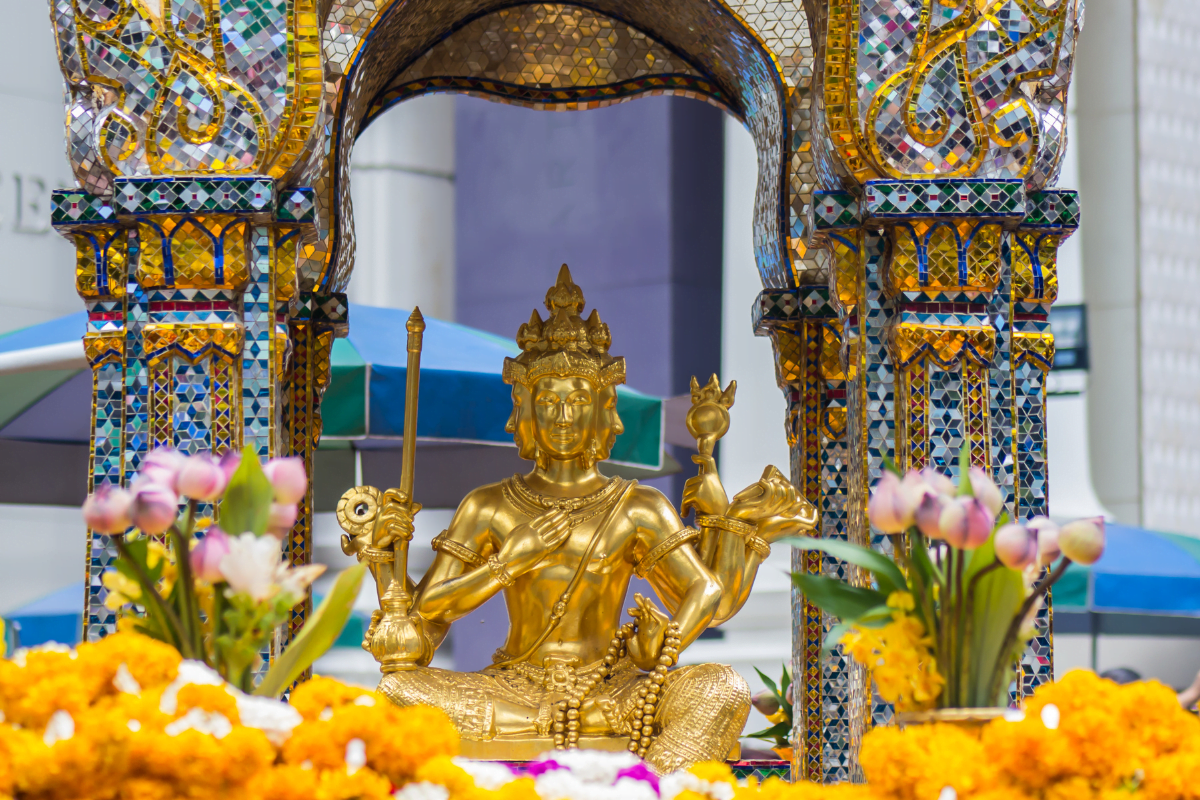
(45, 394)
(56, 617)
(1141, 572)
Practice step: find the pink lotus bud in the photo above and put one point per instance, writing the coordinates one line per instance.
(154, 508)
(938, 482)
(966, 523)
(201, 479)
(1016, 546)
(161, 467)
(108, 509)
(891, 506)
(281, 519)
(766, 703)
(1082, 541)
(206, 556)
(983, 487)
(929, 513)
(288, 478)
(229, 464)
(1046, 532)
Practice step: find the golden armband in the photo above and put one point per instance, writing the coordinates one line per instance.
(444, 544)
(734, 526)
(675, 540)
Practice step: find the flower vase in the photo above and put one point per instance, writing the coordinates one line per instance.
(968, 718)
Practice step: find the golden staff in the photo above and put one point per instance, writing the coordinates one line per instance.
(398, 642)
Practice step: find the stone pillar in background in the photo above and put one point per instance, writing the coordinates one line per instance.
(935, 141)
(404, 205)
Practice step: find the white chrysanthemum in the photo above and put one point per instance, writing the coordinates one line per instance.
(487, 774)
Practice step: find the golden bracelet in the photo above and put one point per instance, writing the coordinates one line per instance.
(734, 526)
(759, 545)
(499, 572)
(377, 555)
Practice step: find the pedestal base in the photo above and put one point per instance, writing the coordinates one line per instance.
(527, 749)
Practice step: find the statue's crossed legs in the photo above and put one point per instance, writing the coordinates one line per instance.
(699, 718)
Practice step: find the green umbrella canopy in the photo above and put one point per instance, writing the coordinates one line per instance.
(463, 394)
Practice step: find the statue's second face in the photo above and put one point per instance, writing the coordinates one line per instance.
(564, 416)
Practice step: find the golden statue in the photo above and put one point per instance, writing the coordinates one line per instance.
(561, 543)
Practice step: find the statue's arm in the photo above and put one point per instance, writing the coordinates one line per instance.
(688, 590)
(451, 589)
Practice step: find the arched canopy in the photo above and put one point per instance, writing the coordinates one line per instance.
(696, 48)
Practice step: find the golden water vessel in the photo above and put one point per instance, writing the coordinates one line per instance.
(562, 543)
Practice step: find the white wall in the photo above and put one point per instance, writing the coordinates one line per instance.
(43, 546)
(37, 267)
(44, 549)
(402, 185)
(760, 635)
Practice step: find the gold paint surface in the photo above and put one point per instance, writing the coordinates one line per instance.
(562, 543)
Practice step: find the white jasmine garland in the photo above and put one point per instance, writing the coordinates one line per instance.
(191, 673)
(423, 791)
(486, 774)
(212, 723)
(356, 755)
(275, 719)
(60, 728)
(125, 682)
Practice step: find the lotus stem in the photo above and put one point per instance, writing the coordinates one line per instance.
(1010, 635)
(185, 646)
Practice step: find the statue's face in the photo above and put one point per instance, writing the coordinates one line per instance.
(564, 416)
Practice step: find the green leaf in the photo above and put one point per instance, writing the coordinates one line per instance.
(847, 603)
(887, 574)
(998, 597)
(317, 636)
(785, 680)
(770, 684)
(964, 471)
(891, 467)
(780, 730)
(835, 635)
(246, 505)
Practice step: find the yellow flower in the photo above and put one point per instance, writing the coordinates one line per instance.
(900, 658)
(778, 717)
(122, 590)
(901, 601)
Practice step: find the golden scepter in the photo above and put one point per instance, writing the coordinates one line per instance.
(398, 642)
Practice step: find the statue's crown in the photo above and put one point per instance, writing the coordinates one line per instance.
(564, 345)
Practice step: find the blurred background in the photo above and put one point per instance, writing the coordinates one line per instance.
(468, 207)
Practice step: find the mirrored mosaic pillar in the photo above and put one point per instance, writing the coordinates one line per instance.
(936, 132)
(190, 286)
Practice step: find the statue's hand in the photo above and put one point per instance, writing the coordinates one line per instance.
(704, 492)
(530, 542)
(646, 645)
(395, 521)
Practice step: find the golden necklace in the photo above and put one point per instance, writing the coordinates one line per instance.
(577, 509)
